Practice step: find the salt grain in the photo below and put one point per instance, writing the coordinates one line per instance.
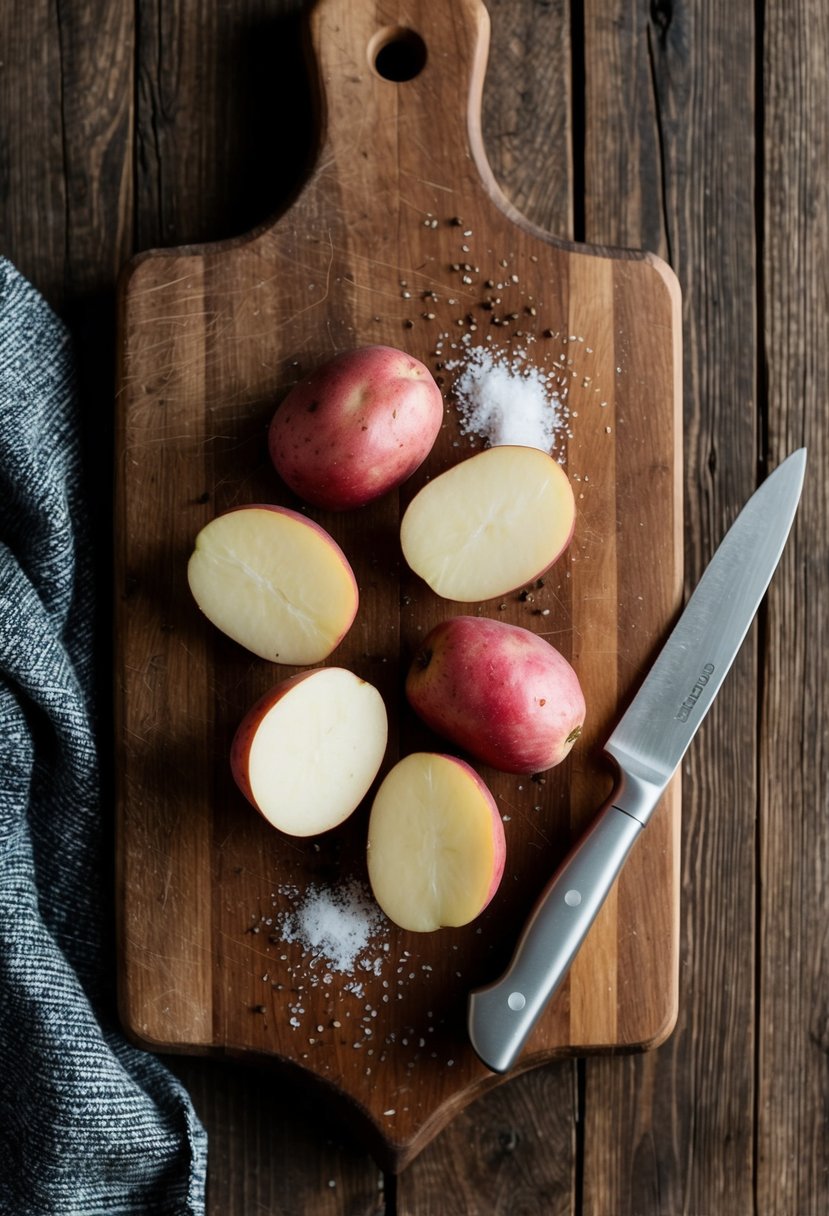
(336, 924)
(507, 400)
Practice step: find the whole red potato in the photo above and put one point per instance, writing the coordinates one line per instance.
(498, 691)
(356, 427)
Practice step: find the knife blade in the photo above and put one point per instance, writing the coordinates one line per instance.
(647, 747)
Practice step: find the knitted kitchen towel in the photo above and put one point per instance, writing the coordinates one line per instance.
(88, 1123)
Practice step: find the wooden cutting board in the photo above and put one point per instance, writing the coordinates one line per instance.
(401, 237)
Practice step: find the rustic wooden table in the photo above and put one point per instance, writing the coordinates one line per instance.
(698, 132)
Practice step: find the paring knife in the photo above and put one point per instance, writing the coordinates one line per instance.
(647, 747)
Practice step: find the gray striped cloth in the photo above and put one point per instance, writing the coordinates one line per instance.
(88, 1123)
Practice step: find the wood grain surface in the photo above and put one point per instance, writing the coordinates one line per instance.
(697, 131)
(404, 239)
(676, 57)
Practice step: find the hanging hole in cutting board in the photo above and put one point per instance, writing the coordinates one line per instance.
(397, 53)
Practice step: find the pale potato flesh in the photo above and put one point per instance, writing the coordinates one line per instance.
(489, 524)
(316, 752)
(434, 854)
(273, 582)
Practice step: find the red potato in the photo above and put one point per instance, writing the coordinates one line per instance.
(307, 752)
(356, 427)
(436, 847)
(498, 691)
(490, 524)
(275, 582)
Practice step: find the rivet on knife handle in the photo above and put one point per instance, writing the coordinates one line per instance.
(502, 1015)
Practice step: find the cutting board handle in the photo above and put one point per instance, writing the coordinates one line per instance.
(388, 80)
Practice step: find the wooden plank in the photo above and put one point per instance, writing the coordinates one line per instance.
(512, 1151)
(526, 110)
(793, 1015)
(325, 276)
(173, 982)
(213, 83)
(31, 151)
(529, 1125)
(223, 117)
(66, 90)
(665, 87)
(65, 153)
(274, 1149)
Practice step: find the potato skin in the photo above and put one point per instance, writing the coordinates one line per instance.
(247, 728)
(499, 692)
(356, 428)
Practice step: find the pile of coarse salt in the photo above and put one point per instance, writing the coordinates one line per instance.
(336, 925)
(508, 400)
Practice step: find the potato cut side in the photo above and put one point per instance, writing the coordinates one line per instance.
(435, 843)
(308, 753)
(275, 582)
(490, 524)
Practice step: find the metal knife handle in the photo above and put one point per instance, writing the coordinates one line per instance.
(502, 1014)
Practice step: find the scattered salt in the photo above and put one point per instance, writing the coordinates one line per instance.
(335, 923)
(507, 400)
